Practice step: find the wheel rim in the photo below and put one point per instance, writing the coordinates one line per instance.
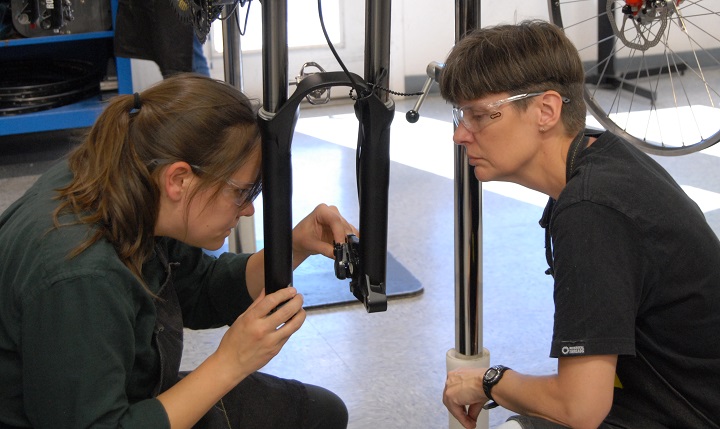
(652, 73)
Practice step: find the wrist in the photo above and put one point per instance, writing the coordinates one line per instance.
(491, 378)
(226, 373)
(299, 254)
(298, 257)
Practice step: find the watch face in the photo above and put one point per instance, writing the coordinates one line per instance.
(491, 373)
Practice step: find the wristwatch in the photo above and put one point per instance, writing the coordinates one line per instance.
(491, 378)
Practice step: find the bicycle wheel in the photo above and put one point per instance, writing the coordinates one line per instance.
(652, 68)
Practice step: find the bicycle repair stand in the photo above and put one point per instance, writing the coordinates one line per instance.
(469, 351)
(375, 114)
(364, 260)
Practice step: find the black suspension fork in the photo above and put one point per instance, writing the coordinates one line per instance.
(366, 258)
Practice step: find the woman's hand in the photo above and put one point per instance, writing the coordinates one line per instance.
(254, 338)
(464, 396)
(317, 233)
(257, 335)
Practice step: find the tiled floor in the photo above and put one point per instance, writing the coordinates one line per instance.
(390, 367)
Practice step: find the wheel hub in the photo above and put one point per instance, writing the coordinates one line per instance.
(649, 18)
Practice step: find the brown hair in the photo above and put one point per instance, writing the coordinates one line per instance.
(187, 117)
(532, 56)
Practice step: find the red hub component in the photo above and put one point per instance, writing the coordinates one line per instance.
(635, 6)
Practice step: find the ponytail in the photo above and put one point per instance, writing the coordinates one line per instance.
(114, 189)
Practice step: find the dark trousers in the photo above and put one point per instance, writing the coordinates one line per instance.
(260, 401)
(263, 401)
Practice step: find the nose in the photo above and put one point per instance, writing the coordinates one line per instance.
(247, 210)
(462, 136)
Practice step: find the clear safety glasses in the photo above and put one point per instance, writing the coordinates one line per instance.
(475, 118)
(242, 194)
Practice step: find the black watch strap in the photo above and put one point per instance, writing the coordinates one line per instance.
(491, 378)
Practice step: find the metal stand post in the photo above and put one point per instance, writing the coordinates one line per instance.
(242, 239)
(469, 351)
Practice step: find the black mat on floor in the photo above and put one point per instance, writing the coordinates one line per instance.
(316, 280)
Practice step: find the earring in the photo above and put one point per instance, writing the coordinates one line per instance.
(542, 129)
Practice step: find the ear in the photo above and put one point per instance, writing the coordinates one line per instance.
(550, 110)
(176, 179)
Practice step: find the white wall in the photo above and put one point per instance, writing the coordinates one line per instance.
(422, 31)
(429, 26)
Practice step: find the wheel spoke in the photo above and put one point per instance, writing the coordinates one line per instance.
(652, 74)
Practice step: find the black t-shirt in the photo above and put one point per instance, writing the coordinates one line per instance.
(637, 274)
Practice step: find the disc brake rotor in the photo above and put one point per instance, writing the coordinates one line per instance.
(647, 32)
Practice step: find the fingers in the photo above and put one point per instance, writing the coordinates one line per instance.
(462, 416)
(259, 333)
(286, 320)
(287, 305)
(330, 216)
(474, 411)
(339, 225)
(319, 231)
(292, 324)
(263, 304)
(286, 311)
(460, 400)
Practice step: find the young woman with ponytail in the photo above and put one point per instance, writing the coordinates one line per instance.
(101, 267)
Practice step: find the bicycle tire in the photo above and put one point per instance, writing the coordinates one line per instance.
(35, 85)
(652, 76)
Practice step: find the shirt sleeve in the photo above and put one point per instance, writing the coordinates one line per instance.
(599, 266)
(79, 348)
(212, 291)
